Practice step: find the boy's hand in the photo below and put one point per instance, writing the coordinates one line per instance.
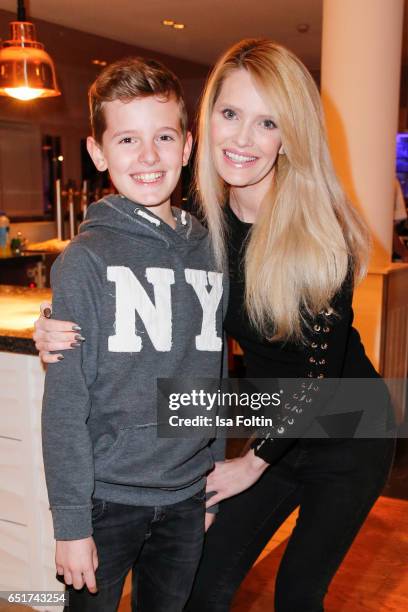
(209, 520)
(77, 561)
(52, 335)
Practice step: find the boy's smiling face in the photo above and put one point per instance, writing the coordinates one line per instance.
(143, 148)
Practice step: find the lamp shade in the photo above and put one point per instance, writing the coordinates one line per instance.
(26, 70)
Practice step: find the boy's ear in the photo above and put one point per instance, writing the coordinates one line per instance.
(187, 148)
(96, 153)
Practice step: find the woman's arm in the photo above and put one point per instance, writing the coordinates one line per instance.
(53, 335)
(325, 354)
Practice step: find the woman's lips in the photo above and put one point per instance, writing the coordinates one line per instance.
(238, 160)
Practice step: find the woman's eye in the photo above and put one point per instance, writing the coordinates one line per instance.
(126, 140)
(269, 124)
(229, 114)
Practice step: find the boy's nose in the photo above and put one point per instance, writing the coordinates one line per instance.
(149, 155)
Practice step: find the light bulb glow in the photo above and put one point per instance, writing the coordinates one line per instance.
(24, 93)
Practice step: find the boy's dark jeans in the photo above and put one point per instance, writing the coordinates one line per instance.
(161, 544)
(335, 482)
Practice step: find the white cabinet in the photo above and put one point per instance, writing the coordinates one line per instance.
(26, 536)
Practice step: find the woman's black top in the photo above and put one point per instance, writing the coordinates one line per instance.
(333, 347)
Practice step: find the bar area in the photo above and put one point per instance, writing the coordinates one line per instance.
(54, 167)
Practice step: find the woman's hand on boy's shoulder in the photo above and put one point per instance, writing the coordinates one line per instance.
(52, 335)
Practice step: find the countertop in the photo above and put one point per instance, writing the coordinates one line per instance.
(24, 256)
(19, 308)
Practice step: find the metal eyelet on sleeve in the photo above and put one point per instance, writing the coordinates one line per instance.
(318, 344)
(317, 361)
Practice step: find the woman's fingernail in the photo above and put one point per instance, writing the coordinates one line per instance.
(78, 337)
(76, 328)
(75, 344)
(47, 313)
(60, 357)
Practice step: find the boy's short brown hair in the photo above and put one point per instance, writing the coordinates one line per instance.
(126, 79)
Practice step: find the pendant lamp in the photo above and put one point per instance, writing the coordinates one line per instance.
(26, 70)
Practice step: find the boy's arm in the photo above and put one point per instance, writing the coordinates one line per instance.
(67, 448)
(218, 445)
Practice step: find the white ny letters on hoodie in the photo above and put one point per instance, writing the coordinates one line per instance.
(131, 297)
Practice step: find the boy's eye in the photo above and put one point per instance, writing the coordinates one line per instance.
(269, 124)
(229, 113)
(166, 138)
(127, 140)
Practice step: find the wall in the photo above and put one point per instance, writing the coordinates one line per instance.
(34, 231)
(67, 115)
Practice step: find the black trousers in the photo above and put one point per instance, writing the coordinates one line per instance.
(162, 545)
(334, 483)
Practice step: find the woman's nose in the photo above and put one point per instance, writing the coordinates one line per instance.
(243, 135)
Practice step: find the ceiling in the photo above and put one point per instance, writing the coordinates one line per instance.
(211, 25)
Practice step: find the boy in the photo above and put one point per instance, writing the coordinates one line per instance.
(140, 281)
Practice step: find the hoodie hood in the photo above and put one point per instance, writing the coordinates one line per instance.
(117, 213)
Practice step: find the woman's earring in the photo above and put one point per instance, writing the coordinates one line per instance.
(281, 150)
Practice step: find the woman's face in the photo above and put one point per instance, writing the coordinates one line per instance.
(244, 138)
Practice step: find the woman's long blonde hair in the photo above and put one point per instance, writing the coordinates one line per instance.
(307, 236)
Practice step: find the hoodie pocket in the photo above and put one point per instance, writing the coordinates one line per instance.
(139, 458)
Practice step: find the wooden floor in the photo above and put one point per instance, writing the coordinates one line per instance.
(373, 577)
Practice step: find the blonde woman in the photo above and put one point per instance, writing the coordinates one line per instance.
(295, 249)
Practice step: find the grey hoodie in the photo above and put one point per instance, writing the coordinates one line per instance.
(149, 302)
